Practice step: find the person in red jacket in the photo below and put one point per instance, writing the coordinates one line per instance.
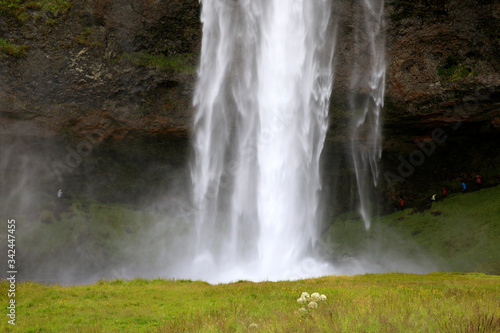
(479, 181)
(444, 192)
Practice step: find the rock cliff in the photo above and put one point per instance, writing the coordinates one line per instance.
(102, 89)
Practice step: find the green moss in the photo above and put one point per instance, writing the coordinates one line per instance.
(455, 69)
(179, 62)
(85, 38)
(22, 10)
(12, 49)
(51, 22)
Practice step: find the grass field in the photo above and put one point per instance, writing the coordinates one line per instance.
(460, 233)
(393, 302)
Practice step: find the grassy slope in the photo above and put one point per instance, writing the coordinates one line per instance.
(462, 232)
(444, 302)
(459, 233)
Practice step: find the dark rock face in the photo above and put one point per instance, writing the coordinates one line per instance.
(126, 69)
(86, 62)
(442, 75)
(442, 56)
(443, 79)
(107, 69)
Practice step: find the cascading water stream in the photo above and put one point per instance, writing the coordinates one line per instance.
(264, 84)
(366, 101)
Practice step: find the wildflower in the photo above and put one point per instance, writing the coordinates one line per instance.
(254, 325)
(301, 300)
(312, 305)
(323, 297)
(302, 310)
(315, 297)
(304, 295)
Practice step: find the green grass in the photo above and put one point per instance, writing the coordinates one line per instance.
(177, 63)
(439, 302)
(459, 233)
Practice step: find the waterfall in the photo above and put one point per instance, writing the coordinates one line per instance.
(262, 99)
(366, 102)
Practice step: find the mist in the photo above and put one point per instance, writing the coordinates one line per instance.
(78, 239)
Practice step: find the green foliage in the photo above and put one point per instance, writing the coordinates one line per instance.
(85, 38)
(439, 302)
(459, 233)
(23, 9)
(12, 49)
(178, 63)
(454, 69)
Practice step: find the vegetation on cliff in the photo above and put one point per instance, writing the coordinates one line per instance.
(177, 63)
(12, 49)
(22, 10)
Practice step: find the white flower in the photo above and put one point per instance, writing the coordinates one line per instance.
(254, 325)
(315, 297)
(304, 295)
(323, 297)
(312, 305)
(301, 300)
(302, 310)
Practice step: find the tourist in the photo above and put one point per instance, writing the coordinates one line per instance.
(444, 192)
(479, 181)
(401, 204)
(433, 198)
(59, 194)
(464, 187)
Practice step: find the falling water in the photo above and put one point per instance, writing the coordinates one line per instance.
(265, 79)
(366, 101)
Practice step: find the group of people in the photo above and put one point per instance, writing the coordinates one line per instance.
(434, 196)
(478, 181)
(477, 184)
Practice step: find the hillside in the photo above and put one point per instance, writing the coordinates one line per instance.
(458, 233)
(82, 241)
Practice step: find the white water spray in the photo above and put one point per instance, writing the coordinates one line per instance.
(264, 83)
(367, 99)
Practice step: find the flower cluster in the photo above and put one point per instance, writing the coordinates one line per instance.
(311, 300)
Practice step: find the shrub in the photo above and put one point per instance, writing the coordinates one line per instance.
(12, 49)
(21, 9)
